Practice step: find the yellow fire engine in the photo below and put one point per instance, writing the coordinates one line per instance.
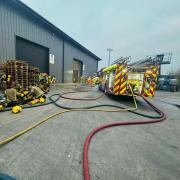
(117, 78)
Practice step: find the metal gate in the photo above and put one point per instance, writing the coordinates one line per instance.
(77, 70)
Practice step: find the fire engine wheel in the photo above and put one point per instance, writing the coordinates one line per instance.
(105, 90)
(99, 87)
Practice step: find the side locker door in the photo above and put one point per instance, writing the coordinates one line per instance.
(111, 79)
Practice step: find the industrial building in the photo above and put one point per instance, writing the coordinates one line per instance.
(26, 35)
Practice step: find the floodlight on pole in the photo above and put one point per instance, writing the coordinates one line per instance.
(109, 50)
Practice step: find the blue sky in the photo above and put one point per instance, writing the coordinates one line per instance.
(135, 28)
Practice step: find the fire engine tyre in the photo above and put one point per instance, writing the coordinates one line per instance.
(177, 88)
(105, 89)
(99, 87)
(173, 88)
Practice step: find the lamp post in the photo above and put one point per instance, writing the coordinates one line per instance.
(109, 50)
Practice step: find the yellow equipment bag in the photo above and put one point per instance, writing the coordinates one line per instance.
(42, 100)
(1, 107)
(16, 109)
(35, 101)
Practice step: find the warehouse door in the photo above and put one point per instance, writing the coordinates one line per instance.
(36, 55)
(77, 70)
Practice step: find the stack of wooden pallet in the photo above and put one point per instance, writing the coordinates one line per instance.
(18, 70)
(2, 68)
(33, 75)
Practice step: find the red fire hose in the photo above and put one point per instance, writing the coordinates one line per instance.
(94, 131)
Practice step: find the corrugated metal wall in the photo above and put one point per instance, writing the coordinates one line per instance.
(14, 23)
(70, 53)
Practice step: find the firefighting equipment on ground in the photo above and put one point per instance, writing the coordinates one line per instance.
(16, 109)
(42, 100)
(19, 87)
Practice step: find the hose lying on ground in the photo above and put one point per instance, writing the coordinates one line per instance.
(50, 97)
(86, 99)
(159, 118)
(20, 133)
(5, 141)
(100, 128)
(90, 108)
(75, 109)
(104, 105)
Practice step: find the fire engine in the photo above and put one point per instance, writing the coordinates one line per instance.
(140, 76)
(117, 78)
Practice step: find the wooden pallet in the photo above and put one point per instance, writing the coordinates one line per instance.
(33, 73)
(21, 73)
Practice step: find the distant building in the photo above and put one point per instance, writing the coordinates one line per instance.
(25, 35)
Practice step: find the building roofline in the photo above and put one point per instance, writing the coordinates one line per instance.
(54, 28)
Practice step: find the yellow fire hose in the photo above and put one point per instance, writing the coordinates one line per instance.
(20, 133)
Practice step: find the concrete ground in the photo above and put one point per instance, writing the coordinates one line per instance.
(53, 151)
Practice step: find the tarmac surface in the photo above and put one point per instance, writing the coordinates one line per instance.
(53, 150)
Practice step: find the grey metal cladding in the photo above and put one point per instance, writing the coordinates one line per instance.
(15, 22)
(70, 53)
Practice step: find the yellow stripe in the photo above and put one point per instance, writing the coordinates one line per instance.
(147, 92)
(123, 73)
(121, 66)
(154, 86)
(151, 88)
(116, 82)
(123, 90)
(122, 85)
(117, 75)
